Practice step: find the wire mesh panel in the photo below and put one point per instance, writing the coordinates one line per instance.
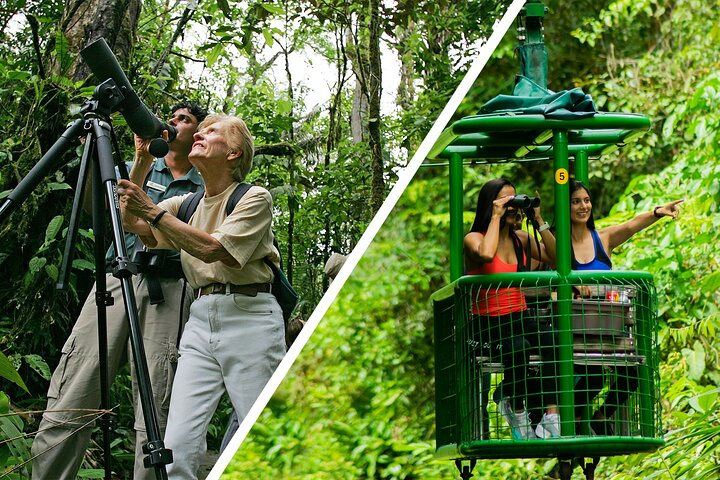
(446, 422)
(527, 358)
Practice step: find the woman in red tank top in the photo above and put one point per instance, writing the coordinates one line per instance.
(496, 244)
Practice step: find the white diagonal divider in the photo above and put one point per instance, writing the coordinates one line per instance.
(404, 178)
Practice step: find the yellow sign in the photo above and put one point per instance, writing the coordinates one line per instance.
(561, 176)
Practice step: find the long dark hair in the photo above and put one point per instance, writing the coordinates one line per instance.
(576, 185)
(483, 213)
(486, 197)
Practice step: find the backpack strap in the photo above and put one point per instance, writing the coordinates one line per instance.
(191, 202)
(189, 205)
(235, 197)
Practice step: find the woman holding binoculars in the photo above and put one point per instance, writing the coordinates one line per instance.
(502, 327)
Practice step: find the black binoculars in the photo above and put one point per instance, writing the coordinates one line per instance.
(149, 261)
(524, 202)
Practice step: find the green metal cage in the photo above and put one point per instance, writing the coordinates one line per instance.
(602, 346)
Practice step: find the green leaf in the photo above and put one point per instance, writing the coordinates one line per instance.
(215, 53)
(696, 361)
(82, 264)
(36, 263)
(62, 50)
(277, 10)
(89, 234)
(711, 283)
(704, 402)
(91, 473)
(8, 371)
(37, 363)
(52, 272)
(4, 403)
(59, 186)
(284, 106)
(267, 33)
(53, 228)
(225, 8)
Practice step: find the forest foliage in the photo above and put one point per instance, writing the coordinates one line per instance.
(359, 403)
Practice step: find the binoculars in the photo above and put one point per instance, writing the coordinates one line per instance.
(149, 261)
(524, 202)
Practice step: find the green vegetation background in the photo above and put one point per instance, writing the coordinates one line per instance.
(359, 402)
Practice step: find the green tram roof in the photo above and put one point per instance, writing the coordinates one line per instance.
(505, 137)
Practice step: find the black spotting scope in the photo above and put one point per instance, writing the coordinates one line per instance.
(104, 65)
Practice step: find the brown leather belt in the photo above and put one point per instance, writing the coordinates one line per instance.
(250, 290)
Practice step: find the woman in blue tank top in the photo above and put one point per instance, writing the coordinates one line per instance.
(591, 250)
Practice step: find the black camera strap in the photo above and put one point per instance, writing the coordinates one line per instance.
(522, 253)
(155, 293)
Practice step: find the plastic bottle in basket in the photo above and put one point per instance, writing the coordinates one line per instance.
(624, 298)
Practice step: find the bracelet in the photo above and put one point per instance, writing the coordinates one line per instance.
(157, 218)
(655, 214)
(544, 227)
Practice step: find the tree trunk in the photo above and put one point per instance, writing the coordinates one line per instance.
(360, 99)
(374, 82)
(87, 20)
(406, 89)
(292, 206)
(334, 132)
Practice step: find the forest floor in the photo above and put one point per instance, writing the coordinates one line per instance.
(207, 464)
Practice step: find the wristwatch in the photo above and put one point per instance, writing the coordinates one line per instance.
(544, 227)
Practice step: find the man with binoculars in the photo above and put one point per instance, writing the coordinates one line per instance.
(163, 301)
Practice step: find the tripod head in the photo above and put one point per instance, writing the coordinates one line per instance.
(105, 99)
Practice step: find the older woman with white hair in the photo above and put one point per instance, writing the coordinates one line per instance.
(234, 338)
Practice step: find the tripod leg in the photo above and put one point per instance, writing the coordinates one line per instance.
(71, 237)
(158, 455)
(41, 169)
(102, 300)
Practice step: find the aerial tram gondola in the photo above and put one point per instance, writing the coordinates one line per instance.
(609, 336)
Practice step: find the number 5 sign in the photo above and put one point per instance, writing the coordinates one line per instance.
(561, 176)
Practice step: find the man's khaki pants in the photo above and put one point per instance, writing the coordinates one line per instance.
(74, 393)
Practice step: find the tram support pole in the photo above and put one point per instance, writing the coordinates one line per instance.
(564, 295)
(456, 217)
(581, 167)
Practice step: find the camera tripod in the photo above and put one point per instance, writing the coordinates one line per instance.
(97, 128)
